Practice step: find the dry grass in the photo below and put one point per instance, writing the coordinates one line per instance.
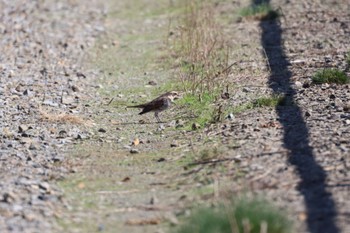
(200, 49)
(63, 118)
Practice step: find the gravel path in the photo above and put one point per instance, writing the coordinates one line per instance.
(42, 46)
(298, 155)
(295, 155)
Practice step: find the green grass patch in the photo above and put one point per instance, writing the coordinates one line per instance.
(253, 216)
(271, 101)
(348, 59)
(200, 107)
(330, 76)
(263, 11)
(265, 101)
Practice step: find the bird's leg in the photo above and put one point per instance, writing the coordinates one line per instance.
(157, 117)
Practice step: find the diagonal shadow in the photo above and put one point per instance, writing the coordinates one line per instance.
(320, 207)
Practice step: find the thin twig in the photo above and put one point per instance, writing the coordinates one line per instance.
(110, 101)
(267, 59)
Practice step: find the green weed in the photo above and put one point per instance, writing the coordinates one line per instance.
(243, 216)
(266, 101)
(262, 11)
(348, 59)
(200, 107)
(330, 76)
(271, 101)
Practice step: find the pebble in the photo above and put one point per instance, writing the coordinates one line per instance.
(298, 84)
(33, 146)
(22, 128)
(230, 116)
(195, 126)
(174, 144)
(101, 130)
(134, 151)
(45, 186)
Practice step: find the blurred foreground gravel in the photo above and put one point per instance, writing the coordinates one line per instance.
(42, 46)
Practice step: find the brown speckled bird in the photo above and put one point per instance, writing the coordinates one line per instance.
(159, 104)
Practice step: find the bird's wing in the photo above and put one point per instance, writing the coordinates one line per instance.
(154, 105)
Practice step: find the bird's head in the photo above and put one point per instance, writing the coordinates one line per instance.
(173, 95)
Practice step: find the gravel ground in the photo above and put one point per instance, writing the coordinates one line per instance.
(298, 155)
(295, 155)
(42, 46)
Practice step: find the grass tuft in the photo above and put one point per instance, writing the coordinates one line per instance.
(244, 216)
(271, 101)
(64, 118)
(200, 107)
(262, 11)
(330, 76)
(266, 101)
(199, 49)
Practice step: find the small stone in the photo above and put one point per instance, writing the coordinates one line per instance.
(50, 103)
(195, 126)
(134, 151)
(29, 216)
(179, 123)
(22, 128)
(225, 95)
(67, 100)
(126, 179)
(298, 61)
(33, 146)
(338, 102)
(307, 114)
(246, 89)
(101, 130)
(153, 201)
(306, 85)
(298, 84)
(152, 83)
(80, 75)
(347, 122)
(44, 186)
(57, 158)
(346, 107)
(9, 197)
(80, 137)
(101, 227)
(26, 92)
(230, 116)
(174, 144)
(161, 127)
(74, 88)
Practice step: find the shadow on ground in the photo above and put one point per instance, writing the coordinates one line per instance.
(320, 207)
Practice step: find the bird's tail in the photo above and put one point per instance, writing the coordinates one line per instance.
(136, 106)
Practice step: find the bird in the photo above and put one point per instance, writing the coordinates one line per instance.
(158, 105)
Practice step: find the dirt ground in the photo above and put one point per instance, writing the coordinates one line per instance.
(74, 159)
